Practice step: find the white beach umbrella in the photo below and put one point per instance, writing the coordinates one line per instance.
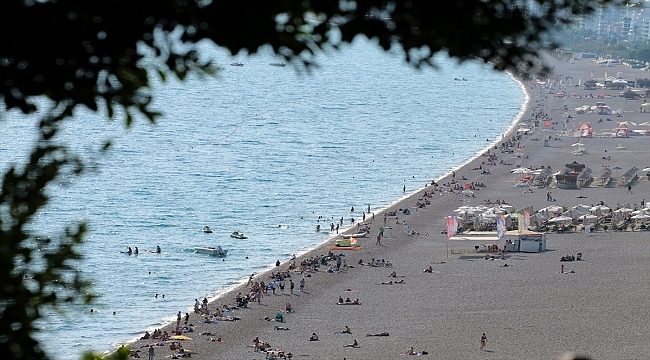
(640, 217)
(506, 207)
(582, 208)
(552, 208)
(560, 220)
(623, 211)
(573, 213)
(602, 208)
(646, 169)
(540, 216)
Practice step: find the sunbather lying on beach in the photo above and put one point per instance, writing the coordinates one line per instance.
(353, 345)
(391, 282)
(281, 328)
(216, 340)
(384, 333)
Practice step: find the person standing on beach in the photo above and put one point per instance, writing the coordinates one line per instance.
(385, 217)
(338, 263)
(483, 341)
(187, 318)
(178, 319)
(302, 285)
(291, 286)
(629, 189)
(378, 240)
(381, 231)
(151, 351)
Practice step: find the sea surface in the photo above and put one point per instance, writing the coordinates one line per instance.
(268, 151)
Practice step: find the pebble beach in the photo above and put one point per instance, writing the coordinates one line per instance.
(597, 307)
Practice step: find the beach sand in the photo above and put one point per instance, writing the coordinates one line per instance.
(599, 307)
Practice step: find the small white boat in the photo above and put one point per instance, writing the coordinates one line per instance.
(218, 251)
(278, 64)
(207, 230)
(236, 63)
(237, 235)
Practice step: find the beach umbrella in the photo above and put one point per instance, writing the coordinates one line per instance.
(540, 216)
(552, 208)
(573, 213)
(640, 217)
(588, 218)
(601, 208)
(646, 169)
(617, 169)
(581, 208)
(560, 220)
(623, 211)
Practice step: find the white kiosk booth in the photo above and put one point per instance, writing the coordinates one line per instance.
(525, 241)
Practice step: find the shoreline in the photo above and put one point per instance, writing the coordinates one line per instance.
(241, 283)
(237, 334)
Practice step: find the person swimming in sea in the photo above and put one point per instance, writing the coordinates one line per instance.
(158, 250)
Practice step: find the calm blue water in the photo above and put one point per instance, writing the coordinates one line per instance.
(256, 147)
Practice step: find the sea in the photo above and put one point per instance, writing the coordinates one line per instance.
(269, 151)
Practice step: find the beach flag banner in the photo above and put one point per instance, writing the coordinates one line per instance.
(520, 223)
(501, 226)
(452, 225)
(605, 74)
(591, 74)
(526, 219)
(619, 74)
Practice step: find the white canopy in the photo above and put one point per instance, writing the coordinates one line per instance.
(560, 220)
